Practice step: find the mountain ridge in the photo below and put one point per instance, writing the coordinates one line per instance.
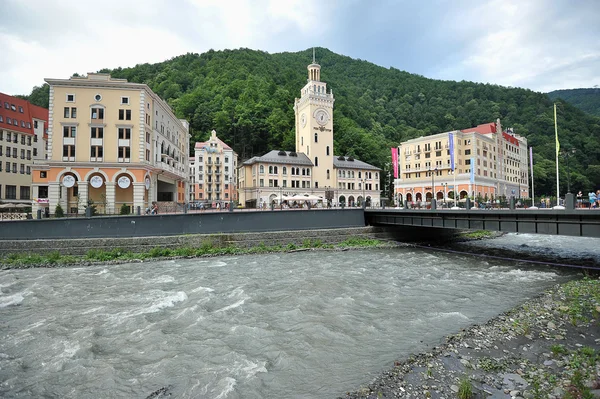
(247, 96)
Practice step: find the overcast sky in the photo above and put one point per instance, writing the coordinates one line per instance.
(542, 45)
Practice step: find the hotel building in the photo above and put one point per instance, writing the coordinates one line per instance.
(22, 139)
(213, 172)
(114, 143)
(312, 168)
(488, 163)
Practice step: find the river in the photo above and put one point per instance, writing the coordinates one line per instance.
(296, 325)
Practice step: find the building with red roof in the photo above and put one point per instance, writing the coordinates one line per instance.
(23, 138)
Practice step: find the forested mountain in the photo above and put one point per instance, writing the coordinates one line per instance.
(247, 97)
(587, 100)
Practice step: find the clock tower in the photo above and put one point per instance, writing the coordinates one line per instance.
(314, 126)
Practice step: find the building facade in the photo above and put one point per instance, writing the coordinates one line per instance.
(312, 169)
(22, 139)
(488, 163)
(213, 177)
(114, 143)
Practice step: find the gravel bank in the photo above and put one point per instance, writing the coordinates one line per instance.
(549, 347)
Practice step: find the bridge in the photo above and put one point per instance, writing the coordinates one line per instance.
(570, 222)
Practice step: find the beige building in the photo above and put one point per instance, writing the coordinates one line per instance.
(22, 139)
(213, 177)
(112, 142)
(488, 163)
(312, 169)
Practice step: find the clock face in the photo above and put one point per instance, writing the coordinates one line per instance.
(322, 117)
(303, 120)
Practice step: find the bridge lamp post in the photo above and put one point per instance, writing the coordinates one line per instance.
(566, 154)
(433, 187)
(364, 204)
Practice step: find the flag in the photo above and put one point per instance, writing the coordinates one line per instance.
(472, 170)
(556, 133)
(395, 161)
(451, 142)
(531, 160)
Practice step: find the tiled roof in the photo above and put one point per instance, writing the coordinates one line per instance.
(10, 109)
(205, 143)
(351, 163)
(482, 129)
(281, 157)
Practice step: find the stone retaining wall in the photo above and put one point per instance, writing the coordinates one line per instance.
(80, 246)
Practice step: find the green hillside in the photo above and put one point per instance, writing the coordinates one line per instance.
(587, 100)
(247, 96)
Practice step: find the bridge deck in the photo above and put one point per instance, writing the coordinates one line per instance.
(579, 222)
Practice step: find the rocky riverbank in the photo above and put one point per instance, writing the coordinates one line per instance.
(549, 347)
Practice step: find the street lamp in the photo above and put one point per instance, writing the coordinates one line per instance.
(433, 187)
(364, 204)
(566, 154)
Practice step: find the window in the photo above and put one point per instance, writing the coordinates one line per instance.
(8, 120)
(316, 137)
(467, 152)
(73, 112)
(128, 114)
(1, 118)
(70, 98)
(68, 151)
(97, 113)
(328, 174)
(14, 152)
(22, 123)
(0, 150)
(6, 105)
(28, 154)
(262, 182)
(327, 153)
(124, 154)
(8, 167)
(98, 97)
(67, 112)
(261, 169)
(316, 161)
(22, 170)
(24, 192)
(35, 124)
(97, 132)
(29, 140)
(96, 152)
(284, 170)
(23, 139)
(22, 154)
(43, 192)
(69, 131)
(11, 192)
(14, 167)
(35, 152)
(124, 100)
(124, 133)
(15, 138)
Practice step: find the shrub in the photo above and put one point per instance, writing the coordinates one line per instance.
(465, 390)
(58, 212)
(125, 210)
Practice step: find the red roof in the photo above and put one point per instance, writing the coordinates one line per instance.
(205, 143)
(486, 128)
(19, 113)
(511, 139)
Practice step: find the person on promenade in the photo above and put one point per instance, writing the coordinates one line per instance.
(579, 199)
(154, 210)
(592, 198)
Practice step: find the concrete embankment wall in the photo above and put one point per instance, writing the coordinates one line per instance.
(170, 225)
(80, 246)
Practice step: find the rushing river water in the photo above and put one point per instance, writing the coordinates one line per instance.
(299, 325)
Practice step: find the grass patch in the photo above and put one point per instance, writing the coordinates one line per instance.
(558, 350)
(207, 248)
(478, 234)
(465, 389)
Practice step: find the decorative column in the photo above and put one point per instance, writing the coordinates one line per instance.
(110, 198)
(53, 196)
(138, 197)
(83, 196)
(64, 192)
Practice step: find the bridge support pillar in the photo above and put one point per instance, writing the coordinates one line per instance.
(569, 201)
(511, 203)
(433, 204)
(468, 204)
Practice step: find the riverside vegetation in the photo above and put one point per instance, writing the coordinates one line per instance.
(208, 248)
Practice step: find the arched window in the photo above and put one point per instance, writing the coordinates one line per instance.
(270, 170)
(359, 175)
(307, 172)
(293, 172)
(377, 175)
(316, 161)
(316, 137)
(297, 171)
(327, 174)
(343, 173)
(275, 170)
(327, 150)
(301, 140)
(261, 169)
(303, 172)
(284, 171)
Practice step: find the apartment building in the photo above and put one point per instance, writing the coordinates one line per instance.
(213, 172)
(488, 163)
(22, 139)
(112, 142)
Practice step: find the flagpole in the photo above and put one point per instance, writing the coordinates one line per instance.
(558, 206)
(532, 190)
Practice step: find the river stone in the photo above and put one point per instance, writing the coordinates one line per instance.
(551, 325)
(454, 388)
